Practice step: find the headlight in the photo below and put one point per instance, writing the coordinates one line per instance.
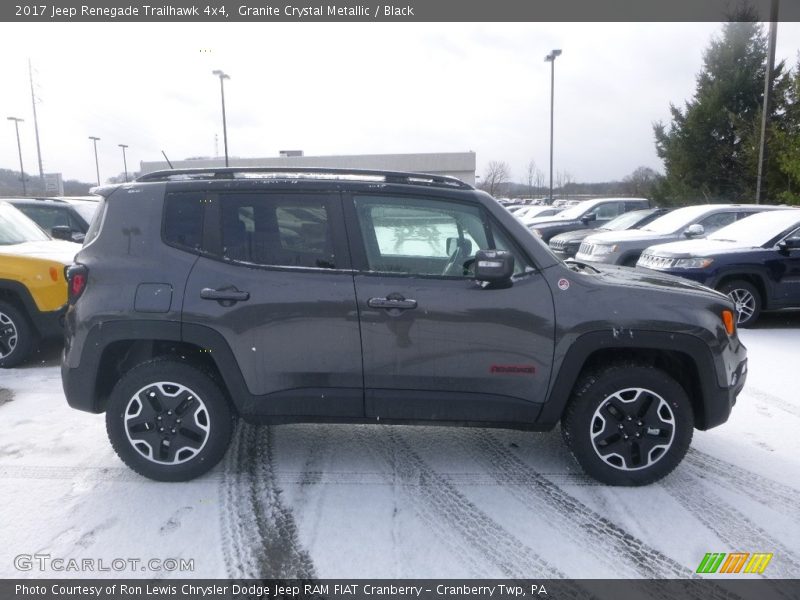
(692, 263)
(602, 249)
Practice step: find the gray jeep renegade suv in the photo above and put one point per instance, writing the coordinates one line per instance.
(363, 297)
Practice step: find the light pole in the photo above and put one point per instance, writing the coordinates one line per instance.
(222, 77)
(551, 58)
(124, 161)
(19, 147)
(96, 164)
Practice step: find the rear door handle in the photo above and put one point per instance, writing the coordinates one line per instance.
(224, 295)
(392, 302)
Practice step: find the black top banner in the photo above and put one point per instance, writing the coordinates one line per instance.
(403, 10)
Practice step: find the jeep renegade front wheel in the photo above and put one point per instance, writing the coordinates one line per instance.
(16, 336)
(628, 424)
(168, 421)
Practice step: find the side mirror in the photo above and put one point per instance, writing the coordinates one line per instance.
(589, 218)
(695, 230)
(788, 244)
(61, 232)
(494, 266)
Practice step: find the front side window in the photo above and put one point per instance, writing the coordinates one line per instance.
(277, 230)
(16, 228)
(716, 221)
(416, 236)
(608, 211)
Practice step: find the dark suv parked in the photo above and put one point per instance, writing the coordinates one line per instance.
(755, 261)
(588, 214)
(365, 296)
(566, 245)
(64, 219)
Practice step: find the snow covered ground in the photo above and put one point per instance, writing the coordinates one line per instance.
(367, 501)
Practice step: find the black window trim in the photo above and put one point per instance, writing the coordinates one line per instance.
(357, 243)
(211, 228)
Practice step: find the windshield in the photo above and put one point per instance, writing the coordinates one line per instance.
(86, 210)
(16, 228)
(677, 219)
(626, 220)
(758, 229)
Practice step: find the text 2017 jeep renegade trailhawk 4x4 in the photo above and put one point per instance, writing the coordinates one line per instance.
(361, 296)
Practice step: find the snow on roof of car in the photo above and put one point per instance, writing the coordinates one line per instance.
(760, 228)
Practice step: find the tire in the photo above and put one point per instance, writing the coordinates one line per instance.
(178, 435)
(17, 338)
(747, 300)
(641, 402)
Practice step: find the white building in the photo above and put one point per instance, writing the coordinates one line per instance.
(454, 164)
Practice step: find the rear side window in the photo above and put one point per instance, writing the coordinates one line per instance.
(96, 224)
(281, 230)
(183, 219)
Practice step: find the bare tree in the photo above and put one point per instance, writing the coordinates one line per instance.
(531, 175)
(563, 179)
(497, 175)
(641, 182)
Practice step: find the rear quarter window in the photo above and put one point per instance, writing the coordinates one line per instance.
(96, 224)
(183, 219)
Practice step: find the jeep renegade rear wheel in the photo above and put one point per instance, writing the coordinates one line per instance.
(16, 336)
(628, 424)
(168, 421)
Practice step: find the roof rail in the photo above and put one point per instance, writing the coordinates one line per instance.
(304, 173)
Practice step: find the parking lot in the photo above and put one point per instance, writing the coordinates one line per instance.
(391, 501)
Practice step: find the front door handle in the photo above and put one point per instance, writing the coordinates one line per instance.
(224, 295)
(392, 301)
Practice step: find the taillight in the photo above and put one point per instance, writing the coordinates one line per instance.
(77, 276)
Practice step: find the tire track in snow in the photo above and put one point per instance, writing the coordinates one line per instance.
(475, 537)
(258, 530)
(6, 396)
(770, 400)
(609, 543)
(628, 555)
(777, 496)
(729, 524)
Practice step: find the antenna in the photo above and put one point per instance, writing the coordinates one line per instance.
(165, 157)
(36, 127)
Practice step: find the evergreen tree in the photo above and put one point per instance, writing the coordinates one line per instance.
(710, 149)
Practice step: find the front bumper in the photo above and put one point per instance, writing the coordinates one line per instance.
(720, 402)
(49, 324)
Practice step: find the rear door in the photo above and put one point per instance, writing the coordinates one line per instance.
(277, 286)
(436, 344)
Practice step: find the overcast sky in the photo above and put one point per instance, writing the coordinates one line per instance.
(333, 88)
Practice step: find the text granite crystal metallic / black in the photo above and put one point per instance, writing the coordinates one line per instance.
(368, 296)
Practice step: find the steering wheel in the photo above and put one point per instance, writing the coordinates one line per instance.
(455, 265)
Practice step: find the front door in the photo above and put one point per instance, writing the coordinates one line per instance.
(436, 344)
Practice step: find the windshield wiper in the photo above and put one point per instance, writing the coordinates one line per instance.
(571, 262)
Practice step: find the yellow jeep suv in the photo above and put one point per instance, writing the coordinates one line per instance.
(33, 290)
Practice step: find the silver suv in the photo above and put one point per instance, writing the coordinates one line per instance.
(625, 247)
